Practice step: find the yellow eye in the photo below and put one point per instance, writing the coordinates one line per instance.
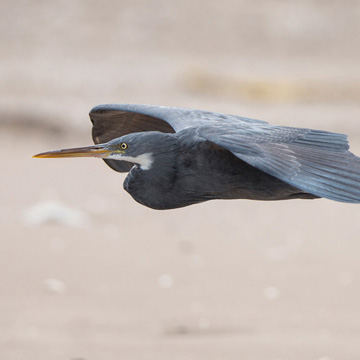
(123, 146)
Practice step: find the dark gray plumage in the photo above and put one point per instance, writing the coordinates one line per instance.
(177, 157)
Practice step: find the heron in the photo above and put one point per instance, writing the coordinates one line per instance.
(177, 157)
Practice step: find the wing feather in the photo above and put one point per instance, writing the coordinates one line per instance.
(318, 162)
(111, 121)
(314, 161)
(127, 118)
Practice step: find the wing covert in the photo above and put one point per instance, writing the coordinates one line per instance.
(120, 119)
(111, 121)
(314, 161)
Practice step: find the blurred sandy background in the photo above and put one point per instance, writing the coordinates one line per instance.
(86, 272)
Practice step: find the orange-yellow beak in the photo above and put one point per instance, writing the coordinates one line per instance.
(88, 151)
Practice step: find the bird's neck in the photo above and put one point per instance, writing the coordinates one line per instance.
(151, 182)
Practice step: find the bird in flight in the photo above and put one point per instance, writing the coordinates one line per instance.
(177, 157)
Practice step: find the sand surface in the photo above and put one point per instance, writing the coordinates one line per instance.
(86, 272)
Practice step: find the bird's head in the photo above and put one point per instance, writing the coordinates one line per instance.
(138, 148)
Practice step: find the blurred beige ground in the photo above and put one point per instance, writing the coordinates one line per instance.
(86, 272)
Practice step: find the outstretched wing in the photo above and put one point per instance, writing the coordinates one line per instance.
(111, 121)
(114, 120)
(314, 161)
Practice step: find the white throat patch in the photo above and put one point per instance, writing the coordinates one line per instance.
(144, 160)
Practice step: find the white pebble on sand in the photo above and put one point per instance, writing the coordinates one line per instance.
(271, 293)
(55, 286)
(165, 281)
(54, 212)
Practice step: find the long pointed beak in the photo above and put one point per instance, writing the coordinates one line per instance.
(87, 151)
